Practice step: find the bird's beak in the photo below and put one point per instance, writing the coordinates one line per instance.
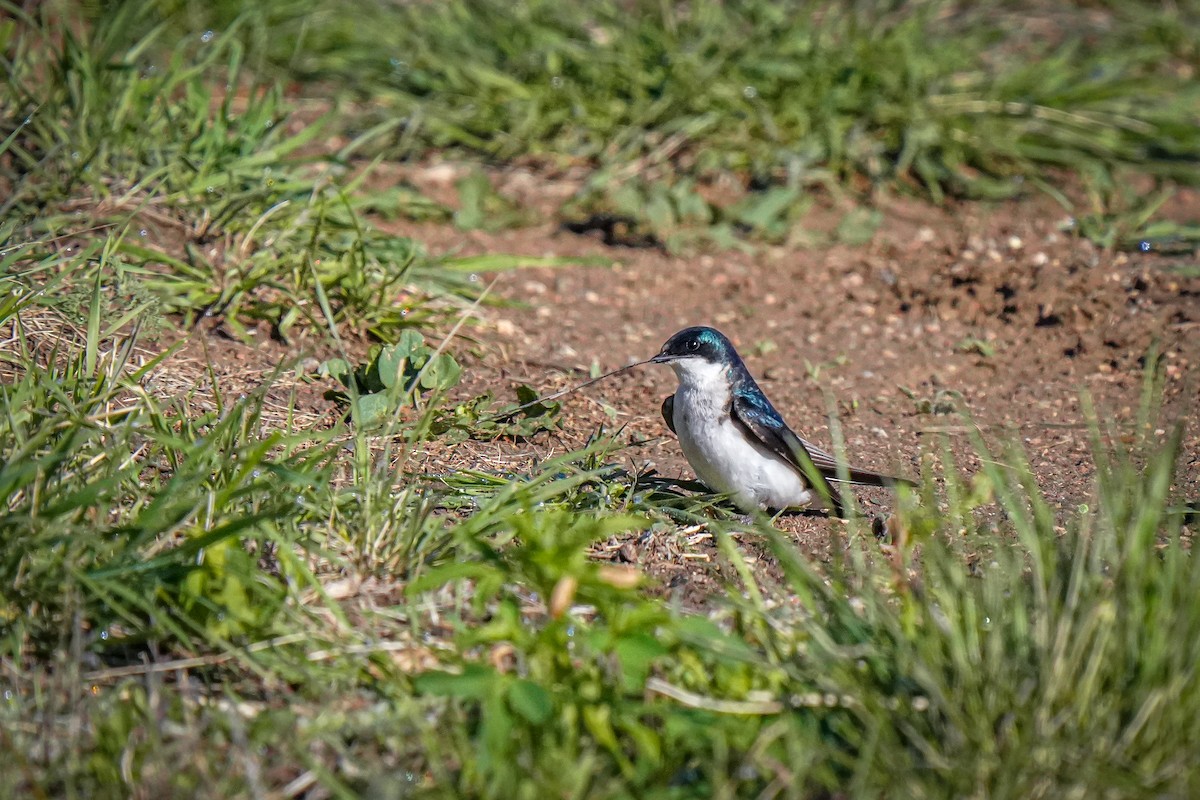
(663, 358)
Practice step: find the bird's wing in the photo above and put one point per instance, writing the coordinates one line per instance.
(668, 411)
(755, 414)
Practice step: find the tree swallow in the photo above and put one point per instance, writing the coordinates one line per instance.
(734, 438)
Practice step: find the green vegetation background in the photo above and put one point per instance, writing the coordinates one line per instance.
(172, 619)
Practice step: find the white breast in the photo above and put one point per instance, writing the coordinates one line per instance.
(725, 459)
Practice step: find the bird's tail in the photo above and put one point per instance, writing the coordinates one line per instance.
(865, 477)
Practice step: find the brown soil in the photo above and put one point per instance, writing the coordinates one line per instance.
(988, 309)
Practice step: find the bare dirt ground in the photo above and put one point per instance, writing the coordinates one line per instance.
(993, 310)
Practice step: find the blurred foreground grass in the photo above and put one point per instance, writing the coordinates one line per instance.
(205, 594)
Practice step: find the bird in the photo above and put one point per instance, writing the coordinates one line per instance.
(733, 437)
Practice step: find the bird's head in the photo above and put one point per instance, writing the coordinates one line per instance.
(698, 352)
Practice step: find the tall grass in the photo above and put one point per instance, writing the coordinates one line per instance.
(225, 206)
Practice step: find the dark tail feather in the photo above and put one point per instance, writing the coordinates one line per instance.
(865, 477)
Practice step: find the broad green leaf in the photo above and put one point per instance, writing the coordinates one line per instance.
(441, 373)
(374, 409)
(530, 701)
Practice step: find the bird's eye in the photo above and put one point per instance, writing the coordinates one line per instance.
(694, 344)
